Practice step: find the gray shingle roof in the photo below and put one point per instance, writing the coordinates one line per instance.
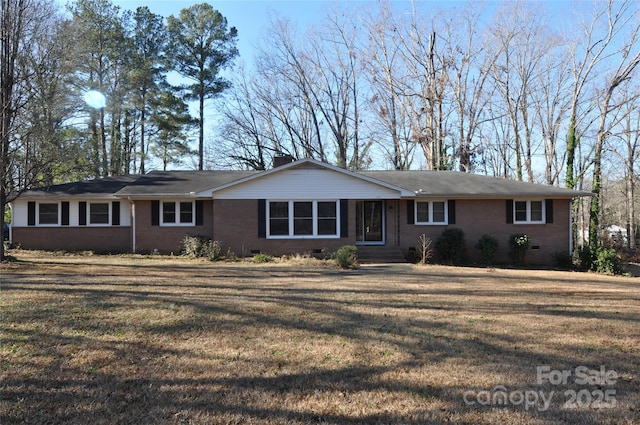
(455, 184)
(180, 182)
(98, 188)
(449, 184)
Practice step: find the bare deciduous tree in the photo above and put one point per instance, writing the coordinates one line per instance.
(627, 55)
(385, 68)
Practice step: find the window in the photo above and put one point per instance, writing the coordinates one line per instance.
(536, 211)
(168, 212)
(278, 218)
(431, 212)
(303, 218)
(327, 218)
(520, 211)
(528, 212)
(99, 213)
(186, 212)
(300, 219)
(48, 214)
(178, 213)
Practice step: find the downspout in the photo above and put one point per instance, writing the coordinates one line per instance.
(133, 225)
(11, 224)
(571, 227)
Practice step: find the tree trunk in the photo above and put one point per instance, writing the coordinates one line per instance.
(142, 147)
(631, 233)
(572, 144)
(201, 132)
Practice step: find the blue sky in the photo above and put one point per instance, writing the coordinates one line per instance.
(250, 17)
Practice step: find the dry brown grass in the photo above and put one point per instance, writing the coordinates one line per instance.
(135, 340)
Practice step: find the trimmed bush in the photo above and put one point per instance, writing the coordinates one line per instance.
(451, 247)
(518, 244)
(607, 261)
(347, 256)
(488, 246)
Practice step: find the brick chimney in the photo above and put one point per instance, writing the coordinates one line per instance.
(281, 159)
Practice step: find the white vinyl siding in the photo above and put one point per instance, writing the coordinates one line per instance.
(20, 212)
(300, 184)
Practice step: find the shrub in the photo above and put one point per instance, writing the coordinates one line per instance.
(451, 247)
(518, 245)
(607, 261)
(202, 247)
(347, 256)
(262, 258)
(424, 250)
(583, 257)
(411, 255)
(488, 246)
(562, 260)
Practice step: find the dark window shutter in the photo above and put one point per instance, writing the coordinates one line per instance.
(452, 211)
(509, 211)
(82, 213)
(155, 213)
(31, 214)
(262, 218)
(411, 216)
(115, 213)
(548, 205)
(199, 213)
(65, 213)
(344, 218)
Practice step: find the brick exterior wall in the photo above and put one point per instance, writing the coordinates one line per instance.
(479, 217)
(113, 239)
(167, 239)
(235, 224)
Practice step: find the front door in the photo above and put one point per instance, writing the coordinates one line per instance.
(370, 222)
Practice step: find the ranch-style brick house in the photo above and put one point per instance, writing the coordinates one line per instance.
(303, 206)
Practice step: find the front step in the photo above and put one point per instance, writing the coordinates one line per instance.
(380, 254)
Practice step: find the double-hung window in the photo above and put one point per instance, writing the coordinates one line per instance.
(327, 218)
(279, 218)
(99, 212)
(528, 212)
(178, 213)
(431, 212)
(300, 219)
(48, 214)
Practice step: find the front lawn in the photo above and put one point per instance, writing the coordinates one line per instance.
(166, 340)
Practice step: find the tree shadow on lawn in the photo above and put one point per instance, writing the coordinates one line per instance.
(85, 364)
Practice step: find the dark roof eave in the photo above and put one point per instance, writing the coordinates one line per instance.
(499, 195)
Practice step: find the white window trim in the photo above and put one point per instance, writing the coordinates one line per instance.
(178, 223)
(49, 224)
(528, 220)
(109, 208)
(290, 217)
(431, 223)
